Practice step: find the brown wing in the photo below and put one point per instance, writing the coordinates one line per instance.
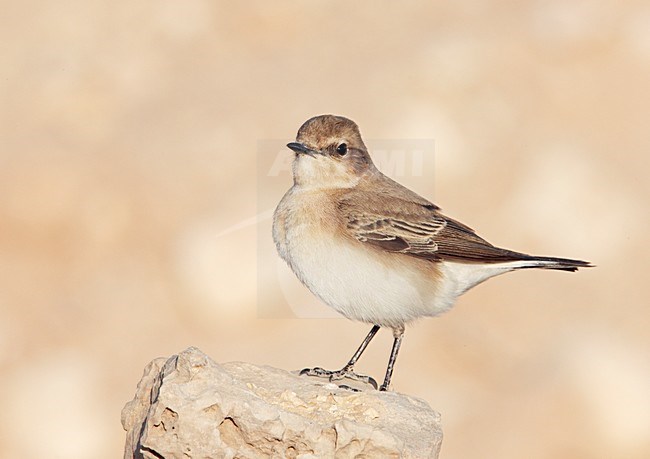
(395, 224)
(397, 233)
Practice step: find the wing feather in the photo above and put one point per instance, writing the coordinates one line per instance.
(415, 227)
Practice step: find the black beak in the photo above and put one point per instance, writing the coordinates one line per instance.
(300, 148)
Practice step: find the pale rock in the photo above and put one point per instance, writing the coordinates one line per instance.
(188, 406)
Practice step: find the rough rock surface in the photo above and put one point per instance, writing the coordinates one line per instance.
(188, 406)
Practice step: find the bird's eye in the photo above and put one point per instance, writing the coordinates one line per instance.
(342, 149)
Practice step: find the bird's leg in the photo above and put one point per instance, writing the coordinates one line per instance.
(398, 333)
(346, 371)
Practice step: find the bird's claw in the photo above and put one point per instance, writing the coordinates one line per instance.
(344, 373)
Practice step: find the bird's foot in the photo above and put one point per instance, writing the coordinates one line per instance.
(343, 373)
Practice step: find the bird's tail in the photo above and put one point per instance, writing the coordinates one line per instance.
(562, 264)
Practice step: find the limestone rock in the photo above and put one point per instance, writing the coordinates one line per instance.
(188, 406)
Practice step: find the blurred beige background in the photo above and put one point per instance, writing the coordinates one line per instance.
(129, 147)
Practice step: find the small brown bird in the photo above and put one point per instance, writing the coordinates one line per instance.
(372, 249)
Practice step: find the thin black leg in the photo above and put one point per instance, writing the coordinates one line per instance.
(398, 333)
(362, 347)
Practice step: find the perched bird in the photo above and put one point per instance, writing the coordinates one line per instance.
(372, 249)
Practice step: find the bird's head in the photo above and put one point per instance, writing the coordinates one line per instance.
(329, 153)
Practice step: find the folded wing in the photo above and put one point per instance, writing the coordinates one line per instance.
(402, 225)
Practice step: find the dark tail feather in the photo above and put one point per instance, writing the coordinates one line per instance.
(562, 264)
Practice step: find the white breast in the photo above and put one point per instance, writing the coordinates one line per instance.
(360, 283)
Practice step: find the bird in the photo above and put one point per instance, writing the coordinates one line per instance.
(372, 249)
